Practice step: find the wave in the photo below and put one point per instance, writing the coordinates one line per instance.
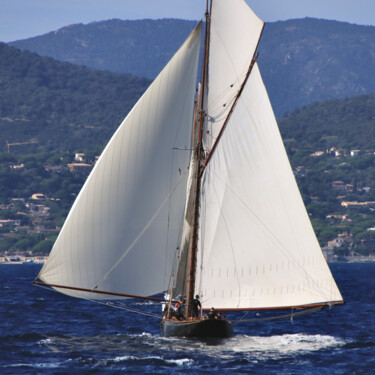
(147, 359)
(43, 365)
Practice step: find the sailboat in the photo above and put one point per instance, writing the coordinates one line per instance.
(194, 196)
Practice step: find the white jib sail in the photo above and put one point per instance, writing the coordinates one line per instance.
(234, 34)
(257, 248)
(123, 229)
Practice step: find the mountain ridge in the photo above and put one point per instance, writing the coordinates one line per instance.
(301, 60)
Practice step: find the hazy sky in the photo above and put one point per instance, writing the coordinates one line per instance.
(21, 19)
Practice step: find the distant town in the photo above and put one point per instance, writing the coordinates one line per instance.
(341, 211)
(29, 224)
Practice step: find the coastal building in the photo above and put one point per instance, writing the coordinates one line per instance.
(9, 222)
(39, 208)
(38, 196)
(79, 156)
(318, 153)
(357, 204)
(344, 238)
(18, 168)
(79, 167)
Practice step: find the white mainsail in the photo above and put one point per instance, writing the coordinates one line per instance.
(123, 229)
(256, 246)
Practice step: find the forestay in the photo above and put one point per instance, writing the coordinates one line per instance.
(123, 229)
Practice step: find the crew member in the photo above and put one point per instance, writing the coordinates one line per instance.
(212, 314)
(195, 306)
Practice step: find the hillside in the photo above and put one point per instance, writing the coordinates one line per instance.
(342, 123)
(319, 139)
(308, 60)
(336, 182)
(59, 105)
(302, 60)
(140, 48)
(65, 108)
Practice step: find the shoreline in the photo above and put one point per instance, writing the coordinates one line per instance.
(353, 259)
(18, 259)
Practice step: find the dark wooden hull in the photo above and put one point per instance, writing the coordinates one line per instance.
(220, 328)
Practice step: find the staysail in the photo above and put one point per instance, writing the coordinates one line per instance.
(123, 229)
(256, 249)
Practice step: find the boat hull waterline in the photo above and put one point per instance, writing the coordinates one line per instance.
(220, 328)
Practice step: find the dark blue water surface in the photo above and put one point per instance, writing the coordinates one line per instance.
(43, 332)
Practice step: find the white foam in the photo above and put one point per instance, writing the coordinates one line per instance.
(123, 358)
(36, 365)
(45, 342)
(143, 334)
(181, 362)
(283, 345)
(120, 359)
(254, 348)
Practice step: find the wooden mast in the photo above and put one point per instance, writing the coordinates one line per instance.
(198, 158)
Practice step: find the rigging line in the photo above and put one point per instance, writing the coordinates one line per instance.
(55, 286)
(121, 307)
(142, 232)
(112, 304)
(216, 102)
(278, 317)
(234, 85)
(221, 111)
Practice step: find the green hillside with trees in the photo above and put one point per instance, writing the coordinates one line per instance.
(50, 111)
(137, 47)
(301, 60)
(334, 141)
(60, 106)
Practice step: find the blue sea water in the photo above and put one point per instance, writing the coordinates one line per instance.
(43, 332)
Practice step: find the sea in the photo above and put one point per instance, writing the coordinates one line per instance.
(43, 332)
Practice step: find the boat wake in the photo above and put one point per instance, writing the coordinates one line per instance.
(134, 351)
